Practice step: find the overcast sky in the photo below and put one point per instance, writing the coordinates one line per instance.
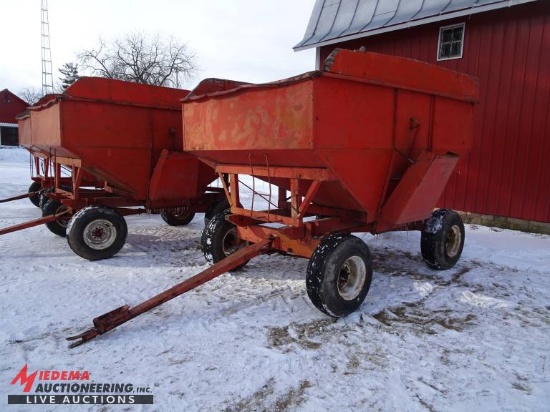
(249, 40)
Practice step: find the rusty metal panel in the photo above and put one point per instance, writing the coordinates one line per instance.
(344, 120)
(507, 171)
(418, 190)
(25, 133)
(260, 118)
(46, 129)
(177, 176)
(117, 130)
(403, 74)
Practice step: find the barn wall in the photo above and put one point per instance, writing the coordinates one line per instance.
(10, 106)
(508, 171)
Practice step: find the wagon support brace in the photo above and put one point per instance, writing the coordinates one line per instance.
(298, 206)
(123, 314)
(297, 241)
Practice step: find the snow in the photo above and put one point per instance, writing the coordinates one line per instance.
(471, 338)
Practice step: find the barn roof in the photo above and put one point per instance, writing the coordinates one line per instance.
(334, 21)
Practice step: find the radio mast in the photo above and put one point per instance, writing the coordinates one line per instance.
(47, 77)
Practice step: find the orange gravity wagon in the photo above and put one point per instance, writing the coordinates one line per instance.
(366, 145)
(105, 149)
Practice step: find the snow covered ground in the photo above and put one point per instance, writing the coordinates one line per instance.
(473, 338)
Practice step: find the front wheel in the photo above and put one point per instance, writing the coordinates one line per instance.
(339, 274)
(96, 233)
(442, 239)
(62, 217)
(177, 219)
(219, 240)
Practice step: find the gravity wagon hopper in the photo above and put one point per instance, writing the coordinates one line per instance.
(366, 145)
(105, 149)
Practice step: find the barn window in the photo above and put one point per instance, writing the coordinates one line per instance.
(451, 42)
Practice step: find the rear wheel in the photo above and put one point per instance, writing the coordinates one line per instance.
(43, 198)
(59, 225)
(96, 233)
(442, 239)
(339, 274)
(177, 219)
(219, 240)
(35, 198)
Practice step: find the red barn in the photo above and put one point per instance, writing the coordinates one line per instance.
(10, 106)
(506, 44)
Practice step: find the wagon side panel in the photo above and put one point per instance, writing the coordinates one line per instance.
(355, 126)
(46, 130)
(25, 131)
(277, 120)
(453, 126)
(114, 143)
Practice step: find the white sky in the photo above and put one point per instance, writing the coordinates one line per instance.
(249, 40)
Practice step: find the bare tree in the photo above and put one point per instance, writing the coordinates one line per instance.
(140, 58)
(30, 95)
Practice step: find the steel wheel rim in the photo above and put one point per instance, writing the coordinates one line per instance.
(100, 234)
(352, 277)
(453, 241)
(61, 217)
(230, 242)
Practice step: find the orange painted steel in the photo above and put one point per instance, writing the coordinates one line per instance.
(369, 143)
(123, 139)
(110, 320)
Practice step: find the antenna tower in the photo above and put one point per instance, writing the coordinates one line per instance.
(47, 78)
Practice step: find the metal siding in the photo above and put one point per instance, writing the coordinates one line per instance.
(364, 12)
(508, 172)
(10, 106)
(521, 105)
(406, 11)
(326, 20)
(344, 17)
(334, 19)
(431, 8)
(385, 12)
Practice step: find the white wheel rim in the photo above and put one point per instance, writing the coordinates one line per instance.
(453, 241)
(351, 278)
(100, 234)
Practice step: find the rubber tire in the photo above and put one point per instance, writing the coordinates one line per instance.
(212, 239)
(44, 198)
(324, 270)
(437, 231)
(173, 219)
(215, 208)
(52, 207)
(78, 224)
(35, 199)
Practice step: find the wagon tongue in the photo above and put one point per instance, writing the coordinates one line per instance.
(102, 324)
(123, 314)
(23, 196)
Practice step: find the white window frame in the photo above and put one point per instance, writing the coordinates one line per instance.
(441, 30)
